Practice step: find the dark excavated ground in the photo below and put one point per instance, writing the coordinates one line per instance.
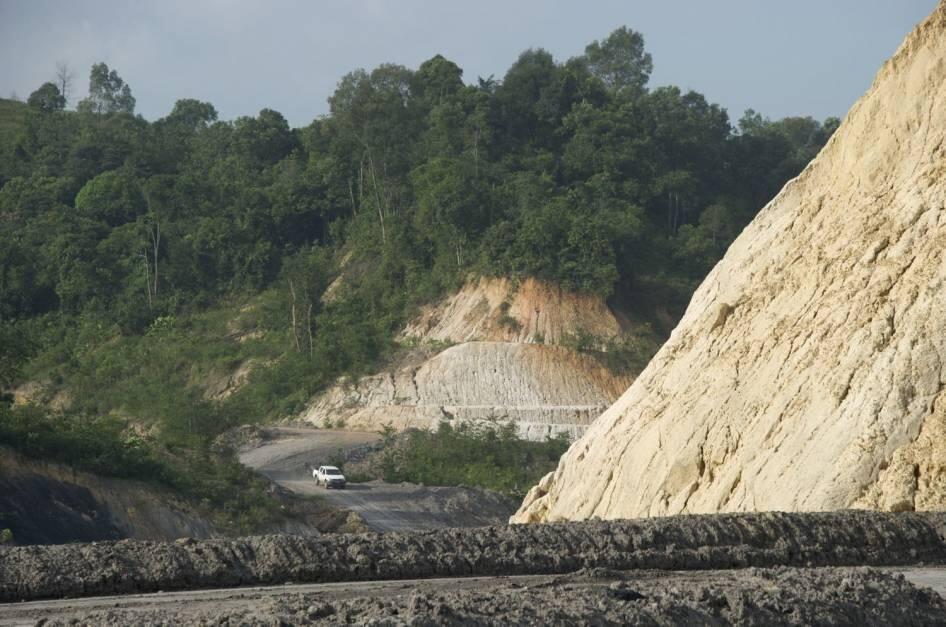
(768, 568)
(778, 596)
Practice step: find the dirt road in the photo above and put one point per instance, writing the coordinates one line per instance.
(287, 451)
(383, 506)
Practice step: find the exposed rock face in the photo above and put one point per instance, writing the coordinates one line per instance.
(808, 371)
(496, 371)
(546, 389)
(498, 310)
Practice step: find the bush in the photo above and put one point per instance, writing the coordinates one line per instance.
(486, 455)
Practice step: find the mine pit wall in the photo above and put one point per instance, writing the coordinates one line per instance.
(674, 543)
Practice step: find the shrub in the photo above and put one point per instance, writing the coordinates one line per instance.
(487, 455)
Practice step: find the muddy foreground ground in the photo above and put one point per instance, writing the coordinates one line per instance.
(839, 596)
(752, 568)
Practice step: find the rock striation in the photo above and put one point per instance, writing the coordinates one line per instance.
(494, 358)
(808, 370)
(545, 389)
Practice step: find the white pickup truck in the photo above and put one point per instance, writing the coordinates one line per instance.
(329, 476)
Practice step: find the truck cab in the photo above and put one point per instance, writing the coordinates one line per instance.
(329, 477)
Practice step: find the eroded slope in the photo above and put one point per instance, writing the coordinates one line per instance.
(505, 364)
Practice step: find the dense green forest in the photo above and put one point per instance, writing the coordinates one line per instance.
(137, 257)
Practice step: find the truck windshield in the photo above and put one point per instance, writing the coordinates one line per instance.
(333, 471)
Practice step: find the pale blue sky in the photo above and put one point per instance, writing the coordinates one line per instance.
(805, 57)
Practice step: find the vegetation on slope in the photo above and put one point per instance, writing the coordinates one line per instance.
(12, 120)
(490, 456)
(129, 248)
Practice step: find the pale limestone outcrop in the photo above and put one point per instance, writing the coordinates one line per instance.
(808, 370)
(504, 364)
(545, 389)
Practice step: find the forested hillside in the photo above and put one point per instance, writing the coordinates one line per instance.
(138, 259)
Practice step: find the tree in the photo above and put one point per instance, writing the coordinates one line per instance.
(108, 93)
(64, 78)
(436, 79)
(114, 197)
(620, 61)
(528, 103)
(376, 119)
(47, 99)
(15, 348)
(450, 207)
(266, 139)
(306, 277)
(192, 113)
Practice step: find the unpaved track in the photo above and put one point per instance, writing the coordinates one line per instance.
(383, 506)
(285, 455)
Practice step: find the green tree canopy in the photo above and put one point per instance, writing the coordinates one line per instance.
(47, 98)
(113, 197)
(620, 61)
(108, 93)
(192, 113)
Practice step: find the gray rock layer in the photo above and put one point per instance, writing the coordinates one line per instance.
(808, 371)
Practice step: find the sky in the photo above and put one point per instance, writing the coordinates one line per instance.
(804, 57)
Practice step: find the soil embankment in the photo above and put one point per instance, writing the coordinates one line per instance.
(44, 503)
(499, 310)
(675, 543)
(545, 390)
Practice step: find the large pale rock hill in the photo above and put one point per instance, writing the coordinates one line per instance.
(808, 370)
(494, 356)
